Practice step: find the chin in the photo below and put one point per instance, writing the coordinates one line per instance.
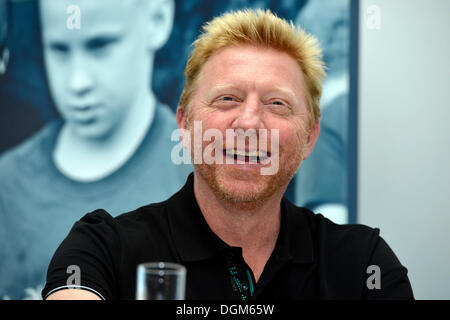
(244, 185)
(92, 131)
(240, 187)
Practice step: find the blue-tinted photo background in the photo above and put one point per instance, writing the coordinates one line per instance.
(26, 104)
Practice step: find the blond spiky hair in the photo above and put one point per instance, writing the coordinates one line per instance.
(259, 28)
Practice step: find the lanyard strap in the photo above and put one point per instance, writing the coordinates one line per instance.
(240, 277)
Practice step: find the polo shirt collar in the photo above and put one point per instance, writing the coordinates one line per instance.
(195, 240)
(295, 240)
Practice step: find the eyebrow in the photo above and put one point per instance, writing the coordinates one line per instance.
(220, 87)
(288, 93)
(232, 87)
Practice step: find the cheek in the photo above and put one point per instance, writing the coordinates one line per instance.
(120, 71)
(56, 74)
(117, 94)
(210, 118)
(57, 85)
(292, 137)
(217, 120)
(119, 82)
(115, 113)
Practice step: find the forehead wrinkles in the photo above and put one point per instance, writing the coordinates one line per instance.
(254, 66)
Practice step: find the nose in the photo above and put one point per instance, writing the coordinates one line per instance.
(81, 79)
(249, 116)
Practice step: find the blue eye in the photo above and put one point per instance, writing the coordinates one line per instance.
(278, 103)
(225, 101)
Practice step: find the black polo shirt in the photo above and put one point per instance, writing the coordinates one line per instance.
(313, 257)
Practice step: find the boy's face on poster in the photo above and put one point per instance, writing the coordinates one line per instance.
(97, 68)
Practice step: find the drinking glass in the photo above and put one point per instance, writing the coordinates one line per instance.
(160, 281)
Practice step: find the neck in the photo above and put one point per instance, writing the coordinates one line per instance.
(254, 229)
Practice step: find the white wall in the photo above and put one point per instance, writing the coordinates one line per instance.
(404, 136)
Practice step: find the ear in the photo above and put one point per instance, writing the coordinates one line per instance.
(312, 138)
(182, 125)
(160, 15)
(181, 118)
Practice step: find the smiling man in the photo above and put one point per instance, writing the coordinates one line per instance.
(230, 226)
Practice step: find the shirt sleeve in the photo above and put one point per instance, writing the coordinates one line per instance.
(87, 258)
(387, 278)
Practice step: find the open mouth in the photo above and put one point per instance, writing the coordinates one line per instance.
(247, 156)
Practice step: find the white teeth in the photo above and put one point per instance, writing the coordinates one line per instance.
(252, 154)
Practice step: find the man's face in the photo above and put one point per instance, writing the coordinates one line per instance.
(247, 87)
(94, 72)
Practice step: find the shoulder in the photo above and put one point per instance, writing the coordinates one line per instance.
(34, 146)
(348, 254)
(350, 235)
(323, 229)
(107, 249)
(94, 238)
(347, 245)
(97, 224)
(129, 226)
(29, 157)
(144, 221)
(139, 235)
